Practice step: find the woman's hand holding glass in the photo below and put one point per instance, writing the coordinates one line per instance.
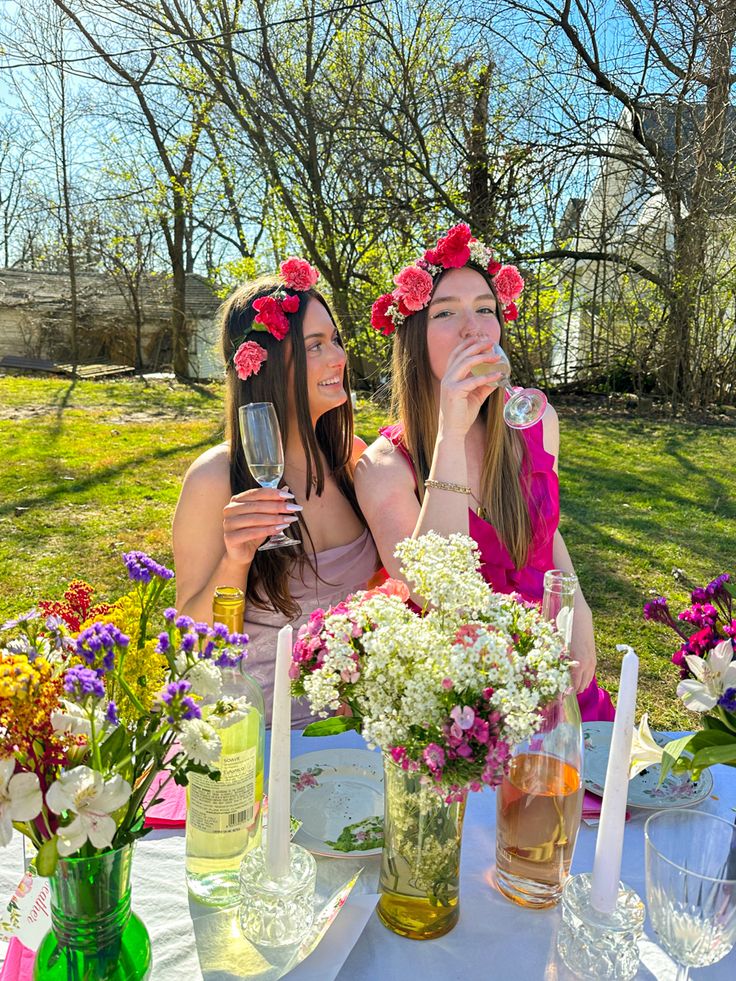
(250, 517)
(462, 392)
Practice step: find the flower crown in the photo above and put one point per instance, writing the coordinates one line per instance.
(415, 283)
(271, 314)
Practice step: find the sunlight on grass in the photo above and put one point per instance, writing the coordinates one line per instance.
(93, 469)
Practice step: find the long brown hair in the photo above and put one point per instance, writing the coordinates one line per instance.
(268, 578)
(413, 402)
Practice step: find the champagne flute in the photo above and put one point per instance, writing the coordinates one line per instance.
(264, 454)
(691, 886)
(525, 406)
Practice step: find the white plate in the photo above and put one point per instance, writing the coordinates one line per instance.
(338, 792)
(677, 790)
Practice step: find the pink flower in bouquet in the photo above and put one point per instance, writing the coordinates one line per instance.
(413, 288)
(391, 587)
(298, 274)
(248, 359)
(434, 757)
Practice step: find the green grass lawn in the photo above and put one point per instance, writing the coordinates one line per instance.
(92, 469)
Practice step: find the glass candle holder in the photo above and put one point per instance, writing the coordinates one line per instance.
(277, 912)
(600, 946)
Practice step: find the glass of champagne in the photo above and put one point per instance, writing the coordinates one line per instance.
(264, 454)
(524, 406)
(691, 886)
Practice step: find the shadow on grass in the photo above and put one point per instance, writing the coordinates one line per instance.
(103, 476)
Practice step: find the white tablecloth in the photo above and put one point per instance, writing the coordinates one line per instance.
(494, 938)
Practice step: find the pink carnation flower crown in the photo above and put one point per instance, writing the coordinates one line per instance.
(415, 283)
(271, 314)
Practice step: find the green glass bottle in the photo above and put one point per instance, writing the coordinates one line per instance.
(224, 817)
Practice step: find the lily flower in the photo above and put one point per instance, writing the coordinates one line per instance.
(20, 798)
(714, 673)
(86, 794)
(644, 750)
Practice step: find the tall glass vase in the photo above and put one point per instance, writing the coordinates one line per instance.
(420, 865)
(539, 806)
(94, 935)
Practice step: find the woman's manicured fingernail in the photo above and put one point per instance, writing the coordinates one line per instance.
(293, 507)
(285, 493)
(281, 527)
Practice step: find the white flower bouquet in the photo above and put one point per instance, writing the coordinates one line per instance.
(446, 691)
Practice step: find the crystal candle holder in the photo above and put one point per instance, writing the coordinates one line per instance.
(277, 912)
(600, 946)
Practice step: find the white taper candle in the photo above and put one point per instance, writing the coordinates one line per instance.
(278, 833)
(610, 841)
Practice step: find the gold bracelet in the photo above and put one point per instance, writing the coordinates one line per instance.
(447, 485)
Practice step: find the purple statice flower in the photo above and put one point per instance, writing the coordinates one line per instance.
(81, 682)
(221, 631)
(111, 714)
(163, 643)
(142, 568)
(728, 700)
(170, 614)
(699, 595)
(207, 650)
(717, 586)
(180, 704)
(229, 659)
(100, 639)
(658, 611)
(188, 643)
(184, 623)
(201, 629)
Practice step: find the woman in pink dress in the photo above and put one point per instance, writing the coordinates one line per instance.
(451, 464)
(281, 345)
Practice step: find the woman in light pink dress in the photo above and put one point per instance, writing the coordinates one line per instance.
(281, 345)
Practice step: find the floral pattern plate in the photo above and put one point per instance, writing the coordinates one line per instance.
(677, 790)
(337, 794)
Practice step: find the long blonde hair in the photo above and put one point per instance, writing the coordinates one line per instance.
(413, 402)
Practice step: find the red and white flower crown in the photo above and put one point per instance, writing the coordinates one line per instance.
(271, 314)
(415, 283)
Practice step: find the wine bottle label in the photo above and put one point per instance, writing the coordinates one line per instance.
(227, 805)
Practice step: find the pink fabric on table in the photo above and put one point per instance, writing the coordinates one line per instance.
(172, 811)
(18, 963)
(541, 489)
(592, 806)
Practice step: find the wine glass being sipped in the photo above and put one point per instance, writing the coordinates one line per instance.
(691, 886)
(525, 406)
(264, 454)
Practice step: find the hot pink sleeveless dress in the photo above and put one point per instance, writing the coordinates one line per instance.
(541, 490)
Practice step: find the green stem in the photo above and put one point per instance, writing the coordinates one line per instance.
(137, 752)
(96, 755)
(136, 702)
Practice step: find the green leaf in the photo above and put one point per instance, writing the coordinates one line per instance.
(672, 753)
(333, 726)
(112, 747)
(47, 857)
(714, 754)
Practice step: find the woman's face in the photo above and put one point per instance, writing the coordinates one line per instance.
(325, 359)
(463, 308)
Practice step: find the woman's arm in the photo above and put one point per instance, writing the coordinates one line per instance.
(215, 535)
(582, 645)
